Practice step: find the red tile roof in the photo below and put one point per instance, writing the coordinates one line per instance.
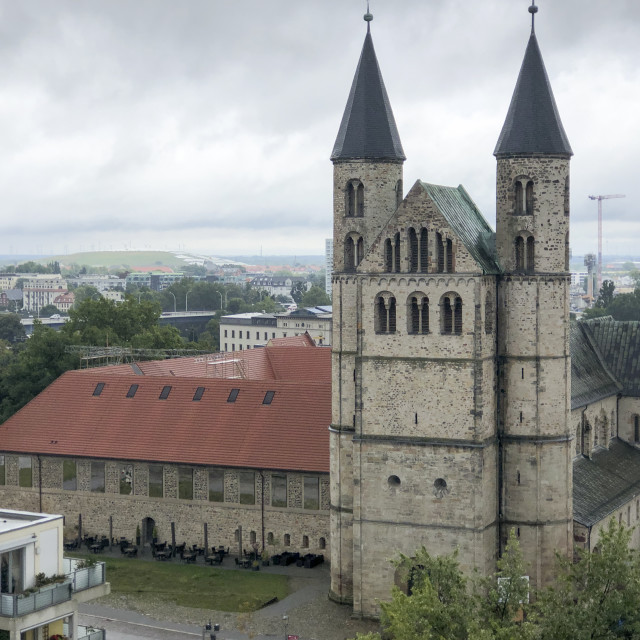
(290, 433)
(303, 340)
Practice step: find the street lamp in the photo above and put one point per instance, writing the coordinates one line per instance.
(174, 300)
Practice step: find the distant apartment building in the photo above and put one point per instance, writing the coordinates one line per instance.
(9, 280)
(41, 290)
(155, 280)
(328, 265)
(65, 301)
(278, 285)
(100, 282)
(578, 277)
(242, 331)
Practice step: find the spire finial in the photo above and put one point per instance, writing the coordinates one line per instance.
(533, 10)
(368, 17)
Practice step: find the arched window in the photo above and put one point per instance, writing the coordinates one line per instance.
(252, 537)
(385, 314)
(322, 543)
(449, 256)
(418, 314)
(567, 198)
(440, 252)
(398, 193)
(287, 540)
(350, 200)
(349, 254)
(359, 251)
(488, 313)
(360, 200)
(451, 313)
(424, 251)
(396, 256)
(413, 250)
(529, 202)
(519, 253)
(530, 255)
(519, 198)
(270, 537)
(305, 542)
(388, 256)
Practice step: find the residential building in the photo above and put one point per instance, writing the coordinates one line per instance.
(41, 290)
(39, 590)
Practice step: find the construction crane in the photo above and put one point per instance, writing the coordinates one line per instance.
(600, 199)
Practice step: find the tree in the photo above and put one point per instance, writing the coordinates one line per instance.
(48, 310)
(298, 290)
(597, 597)
(316, 296)
(85, 292)
(605, 296)
(11, 328)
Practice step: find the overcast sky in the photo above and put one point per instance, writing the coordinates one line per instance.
(207, 125)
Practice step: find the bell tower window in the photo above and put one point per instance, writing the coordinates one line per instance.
(388, 256)
(519, 200)
(530, 254)
(385, 314)
(359, 251)
(413, 251)
(449, 256)
(519, 253)
(418, 314)
(360, 200)
(529, 202)
(396, 253)
(424, 251)
(349, 254)
(354, 197)
(351, 200)
(451, 313)
(440, 252)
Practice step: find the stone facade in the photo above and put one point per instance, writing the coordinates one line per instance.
(305, 528)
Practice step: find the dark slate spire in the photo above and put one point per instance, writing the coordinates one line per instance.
(533, 124)
(368, 130)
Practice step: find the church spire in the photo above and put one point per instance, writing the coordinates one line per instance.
(368, 129)
(533, 124)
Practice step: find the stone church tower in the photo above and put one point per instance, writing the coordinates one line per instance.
(450, 348)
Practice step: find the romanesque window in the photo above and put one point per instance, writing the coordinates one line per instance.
(449, 256)
(388, 256)
(252, 537)
(69, 475)
(247, 487)
(156, 483)
(418, 314)
(287, 540)
(529, 196)
(278, 490)
(216, 485)
(311, 493)
(440, 253)
(185, 483)
(126, 479)
(322, 543)
(359, 251)
(413, 250)
(360, 200)
(270, 537)
(519, 199)
(351, 200)
(396, 250)
(385, 314)
(451, 313)
(488, 313)
(97, 476)
(424, 251)
(398, 193)
(355, 199)
(530, 255)
(305, 542)
(519, 253)
(349, 254)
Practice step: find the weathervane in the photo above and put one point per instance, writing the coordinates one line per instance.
(532, 10)
(368, 17)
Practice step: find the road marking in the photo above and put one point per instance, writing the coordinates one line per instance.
(140, 624)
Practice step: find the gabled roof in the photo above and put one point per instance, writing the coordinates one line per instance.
(591, 379)
(67, 419)
(465, 219)
(533, 124)
(619, 343)
(606, 482)
(368, 129)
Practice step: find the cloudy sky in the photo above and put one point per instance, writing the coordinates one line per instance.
(207, 125)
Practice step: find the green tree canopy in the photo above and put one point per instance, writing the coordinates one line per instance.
(11, 328)
(48, 310)
(316, 296)
(85, 292)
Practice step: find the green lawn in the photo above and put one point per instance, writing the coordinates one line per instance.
(194, 586)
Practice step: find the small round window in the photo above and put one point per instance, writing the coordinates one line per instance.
(393, 481)
(440, 488)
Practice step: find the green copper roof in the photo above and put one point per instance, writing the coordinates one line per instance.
(466, 221)
(368, 129)
(533, 123)
(619, 343)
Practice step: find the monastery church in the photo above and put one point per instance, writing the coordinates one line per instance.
(451, 371)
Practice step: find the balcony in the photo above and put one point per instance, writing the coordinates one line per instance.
(84, 577)
(14, 606)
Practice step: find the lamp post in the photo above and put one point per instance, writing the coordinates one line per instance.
(174, 300)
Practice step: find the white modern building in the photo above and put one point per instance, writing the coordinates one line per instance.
(39, 589)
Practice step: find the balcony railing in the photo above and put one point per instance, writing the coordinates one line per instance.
(89, 633)
(14, 606)
(86, 577)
